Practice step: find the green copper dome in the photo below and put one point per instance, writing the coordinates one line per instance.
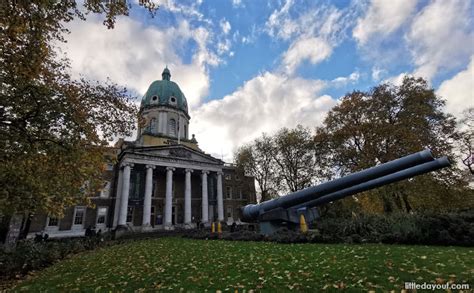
(164, 93)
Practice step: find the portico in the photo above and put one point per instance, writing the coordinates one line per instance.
(180, 162)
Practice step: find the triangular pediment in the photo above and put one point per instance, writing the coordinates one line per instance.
(179, 152)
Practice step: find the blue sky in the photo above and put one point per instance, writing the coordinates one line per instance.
(249, 67)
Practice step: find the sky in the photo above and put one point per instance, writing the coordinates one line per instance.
(253, 66)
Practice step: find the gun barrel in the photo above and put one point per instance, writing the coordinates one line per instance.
(251, 212)
(387, 179)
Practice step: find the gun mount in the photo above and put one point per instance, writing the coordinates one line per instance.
(272, 214)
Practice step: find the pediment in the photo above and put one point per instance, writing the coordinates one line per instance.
(179, 152)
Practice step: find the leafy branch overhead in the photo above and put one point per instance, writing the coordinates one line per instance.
(54, 129)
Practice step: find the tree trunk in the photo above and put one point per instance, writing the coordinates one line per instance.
(13, 231)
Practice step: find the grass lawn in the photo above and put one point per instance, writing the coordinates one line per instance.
(176, 263)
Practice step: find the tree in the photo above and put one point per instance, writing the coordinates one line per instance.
(466, 142)
(295, 158)
(54, 130)
(388, 122)
(256, 160)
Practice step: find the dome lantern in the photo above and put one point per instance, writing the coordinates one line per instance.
(166, 75)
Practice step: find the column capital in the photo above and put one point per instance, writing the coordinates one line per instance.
(150, 166)
(126, 164)
(220, 173)
(205, 172)
(170, 169)
(188, 170)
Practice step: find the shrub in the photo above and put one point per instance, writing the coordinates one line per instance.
(428, 229)
(29, 255)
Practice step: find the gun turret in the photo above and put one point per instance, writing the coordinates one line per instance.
(287, 209)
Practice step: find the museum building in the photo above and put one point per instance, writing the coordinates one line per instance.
(162, 180)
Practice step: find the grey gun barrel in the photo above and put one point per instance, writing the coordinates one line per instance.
(251, 212)
(387, 179)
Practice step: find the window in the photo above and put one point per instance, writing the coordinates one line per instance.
(240, 193)
(228, 192)
(105, 190)
(53, 222)
(153, 125)
(237, 177)
(229, 212)
(101, 215)
(154, 98)
(79, 214)
(173, 100)
(129, 214)
(172, 127)
(227, 177)
(153, 188)
(185, 131)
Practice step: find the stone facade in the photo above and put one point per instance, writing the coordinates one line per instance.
(162, 180)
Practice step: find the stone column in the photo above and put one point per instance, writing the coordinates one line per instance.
(147, 199)
(125, 192)
(118, 197)
(205, 201)
(220, 200)
(169, 197)
(187, 198)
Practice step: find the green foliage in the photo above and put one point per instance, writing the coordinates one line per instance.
(425, 229)
(466, 142)
(197, 265)
(256, 159)
(53, 129)
(388, 122)
(29, 255)
(281, 163)
(295, 158)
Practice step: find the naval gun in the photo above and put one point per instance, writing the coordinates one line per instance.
(287, 209)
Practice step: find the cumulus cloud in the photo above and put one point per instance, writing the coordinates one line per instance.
(265, 103)
(459, 90)
(382, 18)
(345, 80)
(441, 36)
(314, 50)
(135, 55)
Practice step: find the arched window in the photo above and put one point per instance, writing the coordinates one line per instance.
(185, 131)
(172, 127)
(153, 125)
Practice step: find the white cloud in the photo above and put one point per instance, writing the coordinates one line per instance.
(459, 90)
(190, 11)
(265, 103)
(344, 80)
(134, 55)
(377, 73)
(223, 47)
(397, 79)
(313, 49)
(313, 31)
(225, 26)
(236, 3)
(441, 37)
(279, 23)
(383, 17)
